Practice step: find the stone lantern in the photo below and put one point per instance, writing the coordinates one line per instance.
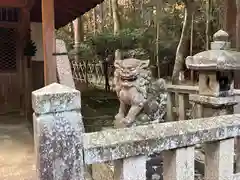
(216, 77)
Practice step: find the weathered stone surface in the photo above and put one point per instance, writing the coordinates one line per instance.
(102, 172)
(136, 89)
(55, 98)
(220, 57)
(182, 89)
(216, 97)
(213, 101)
(58, 133)
(236, 176)
(221, 35)
(191, 89)
(219, 160)
(221, 40)
(133, 168)
(183, 103)
(59, 145)
(220, 45)
(214, 59)
(178, 164)
(121, 143)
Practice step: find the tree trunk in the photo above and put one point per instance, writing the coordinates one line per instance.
(238, 25)
(208, 23)
(191, 36)
(116, 24)
(94, 21)
(110, 8)
(180, 59)
(230, 14)
(158, 10)
(78, 30)
(237, 79)
(89, 23)
(142, 10)
(191, 48)
(101, 15)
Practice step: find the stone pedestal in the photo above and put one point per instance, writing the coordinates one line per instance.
(58, 133)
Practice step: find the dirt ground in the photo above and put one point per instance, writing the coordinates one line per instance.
(16, 149)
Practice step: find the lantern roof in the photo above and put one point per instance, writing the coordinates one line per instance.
(214, 60)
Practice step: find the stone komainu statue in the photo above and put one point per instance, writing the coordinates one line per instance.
(142, 98)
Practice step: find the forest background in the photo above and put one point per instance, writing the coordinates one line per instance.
(163, 31)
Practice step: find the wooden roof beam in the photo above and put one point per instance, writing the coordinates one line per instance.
(49, 42)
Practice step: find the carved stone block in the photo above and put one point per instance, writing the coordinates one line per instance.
(142, 99)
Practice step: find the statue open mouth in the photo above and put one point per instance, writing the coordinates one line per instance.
(128, 78)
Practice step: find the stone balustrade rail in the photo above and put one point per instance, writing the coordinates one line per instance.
(116, 144)
(63, 149)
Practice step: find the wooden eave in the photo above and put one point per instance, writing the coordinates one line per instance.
(65, 10)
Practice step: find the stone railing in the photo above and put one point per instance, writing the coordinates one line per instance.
(179, 106)
(178, 101)
(63, 148)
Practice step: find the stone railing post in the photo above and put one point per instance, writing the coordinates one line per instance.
(219, 160)
(183, 105)
(132, 168)
(58, 131)
(170, 104)
(178, 164)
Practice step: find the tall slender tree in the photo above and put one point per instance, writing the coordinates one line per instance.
(78, 30)
(230, 21)
(238, 25)
(208, 22)
(94, 14)
(180, 59)
(101, 16)
(116, 24)
(158, 10)
(237, 72)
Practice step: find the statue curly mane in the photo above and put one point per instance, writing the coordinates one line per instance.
(135, 89)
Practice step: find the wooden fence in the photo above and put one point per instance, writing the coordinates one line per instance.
(92, 73)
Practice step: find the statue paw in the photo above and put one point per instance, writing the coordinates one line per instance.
(127, 121)
(119, 116)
